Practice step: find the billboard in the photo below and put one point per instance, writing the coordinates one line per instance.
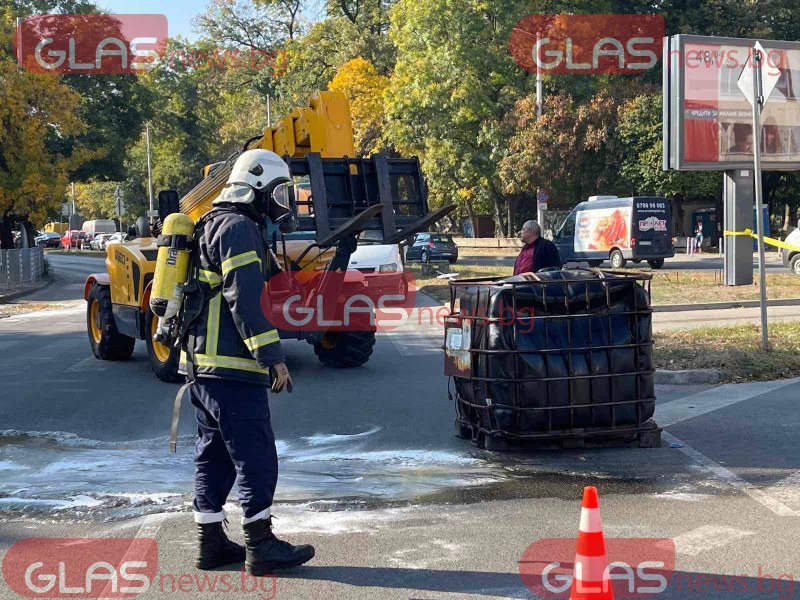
(708, 121)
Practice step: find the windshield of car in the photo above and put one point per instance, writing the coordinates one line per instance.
(370, 238)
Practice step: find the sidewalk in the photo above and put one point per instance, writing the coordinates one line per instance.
(664, 321)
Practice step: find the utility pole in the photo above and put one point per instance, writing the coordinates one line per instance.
(149, 168)
(758, 98)
(539, 88)
(269, 111)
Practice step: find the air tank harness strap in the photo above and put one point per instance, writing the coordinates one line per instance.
(176, 413)
(767, 240)
(179, 242)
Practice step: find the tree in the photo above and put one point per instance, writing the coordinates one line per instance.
(640, 137)
(569, 150)
(363, 86)
(96, 200)
(36, 115)
(453, 84)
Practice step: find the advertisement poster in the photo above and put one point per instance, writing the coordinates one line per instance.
(602, 229)
(718, 118)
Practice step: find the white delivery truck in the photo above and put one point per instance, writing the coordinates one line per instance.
(618, 229)
(99, 226)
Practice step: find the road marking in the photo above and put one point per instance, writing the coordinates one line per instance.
(787, 490)
(90, 363)
(410, 342)
(733, 479)
(688, 407)
(707, 537)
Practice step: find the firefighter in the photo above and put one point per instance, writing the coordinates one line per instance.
(232, 354)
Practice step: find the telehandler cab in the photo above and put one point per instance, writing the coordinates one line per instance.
(340, 197)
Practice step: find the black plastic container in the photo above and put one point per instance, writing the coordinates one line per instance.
(553, 356)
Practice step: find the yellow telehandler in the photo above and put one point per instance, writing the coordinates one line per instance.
(338, 197)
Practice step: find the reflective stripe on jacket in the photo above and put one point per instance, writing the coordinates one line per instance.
(233, 337)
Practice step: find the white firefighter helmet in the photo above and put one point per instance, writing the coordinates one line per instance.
(256, 170)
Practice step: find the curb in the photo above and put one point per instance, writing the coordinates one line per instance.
(666, 377)
(5, 299)
(724, 305)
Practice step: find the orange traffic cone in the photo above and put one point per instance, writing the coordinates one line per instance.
(590, 580)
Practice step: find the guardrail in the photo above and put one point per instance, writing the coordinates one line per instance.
(21, 266)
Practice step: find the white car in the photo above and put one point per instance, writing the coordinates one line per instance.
(380, 263)
(114, 238)
(791, 258)
(99, 241)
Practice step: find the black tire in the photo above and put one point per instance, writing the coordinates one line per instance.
(636, 261)
(111, 344)
(617, 260)
(656, 263)
(794, 264)
(166, 371)
(453, 261)
(345, 349)
(594, 263)
(423, 257)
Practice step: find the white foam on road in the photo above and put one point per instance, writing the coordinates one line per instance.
(324, 439)
(401, 457)
(40, 314)
(8, 465)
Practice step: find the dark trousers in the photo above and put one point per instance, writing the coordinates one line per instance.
(235, 444)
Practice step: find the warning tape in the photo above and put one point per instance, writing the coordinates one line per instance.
(767, 240)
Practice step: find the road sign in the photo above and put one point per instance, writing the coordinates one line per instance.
(118, 204)
(542, 197)
(770, 74)
(761, 82)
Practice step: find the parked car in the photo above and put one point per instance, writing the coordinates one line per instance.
(618, 230)
(791, 258)
(48, 239)
(72, 239)
(86, 242)
(114, 238)
(433, 246)
(99, 241)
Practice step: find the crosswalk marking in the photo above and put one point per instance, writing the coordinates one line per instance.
(707, 537)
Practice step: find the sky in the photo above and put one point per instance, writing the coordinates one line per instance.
(179, 12)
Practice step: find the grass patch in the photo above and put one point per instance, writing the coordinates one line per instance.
(735, 351)
(667, 287)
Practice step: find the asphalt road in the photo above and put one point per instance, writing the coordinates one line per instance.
(372, 475)
(679, 262)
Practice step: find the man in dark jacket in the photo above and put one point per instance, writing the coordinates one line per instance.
(231, 356)
(537, 253)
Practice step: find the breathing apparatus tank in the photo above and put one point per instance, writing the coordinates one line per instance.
(172, 267)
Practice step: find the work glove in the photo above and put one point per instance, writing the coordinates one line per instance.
(280, 378)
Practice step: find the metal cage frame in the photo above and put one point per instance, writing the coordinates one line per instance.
(466, 409)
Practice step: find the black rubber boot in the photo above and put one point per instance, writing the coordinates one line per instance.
(215, 549)
(267, 554)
